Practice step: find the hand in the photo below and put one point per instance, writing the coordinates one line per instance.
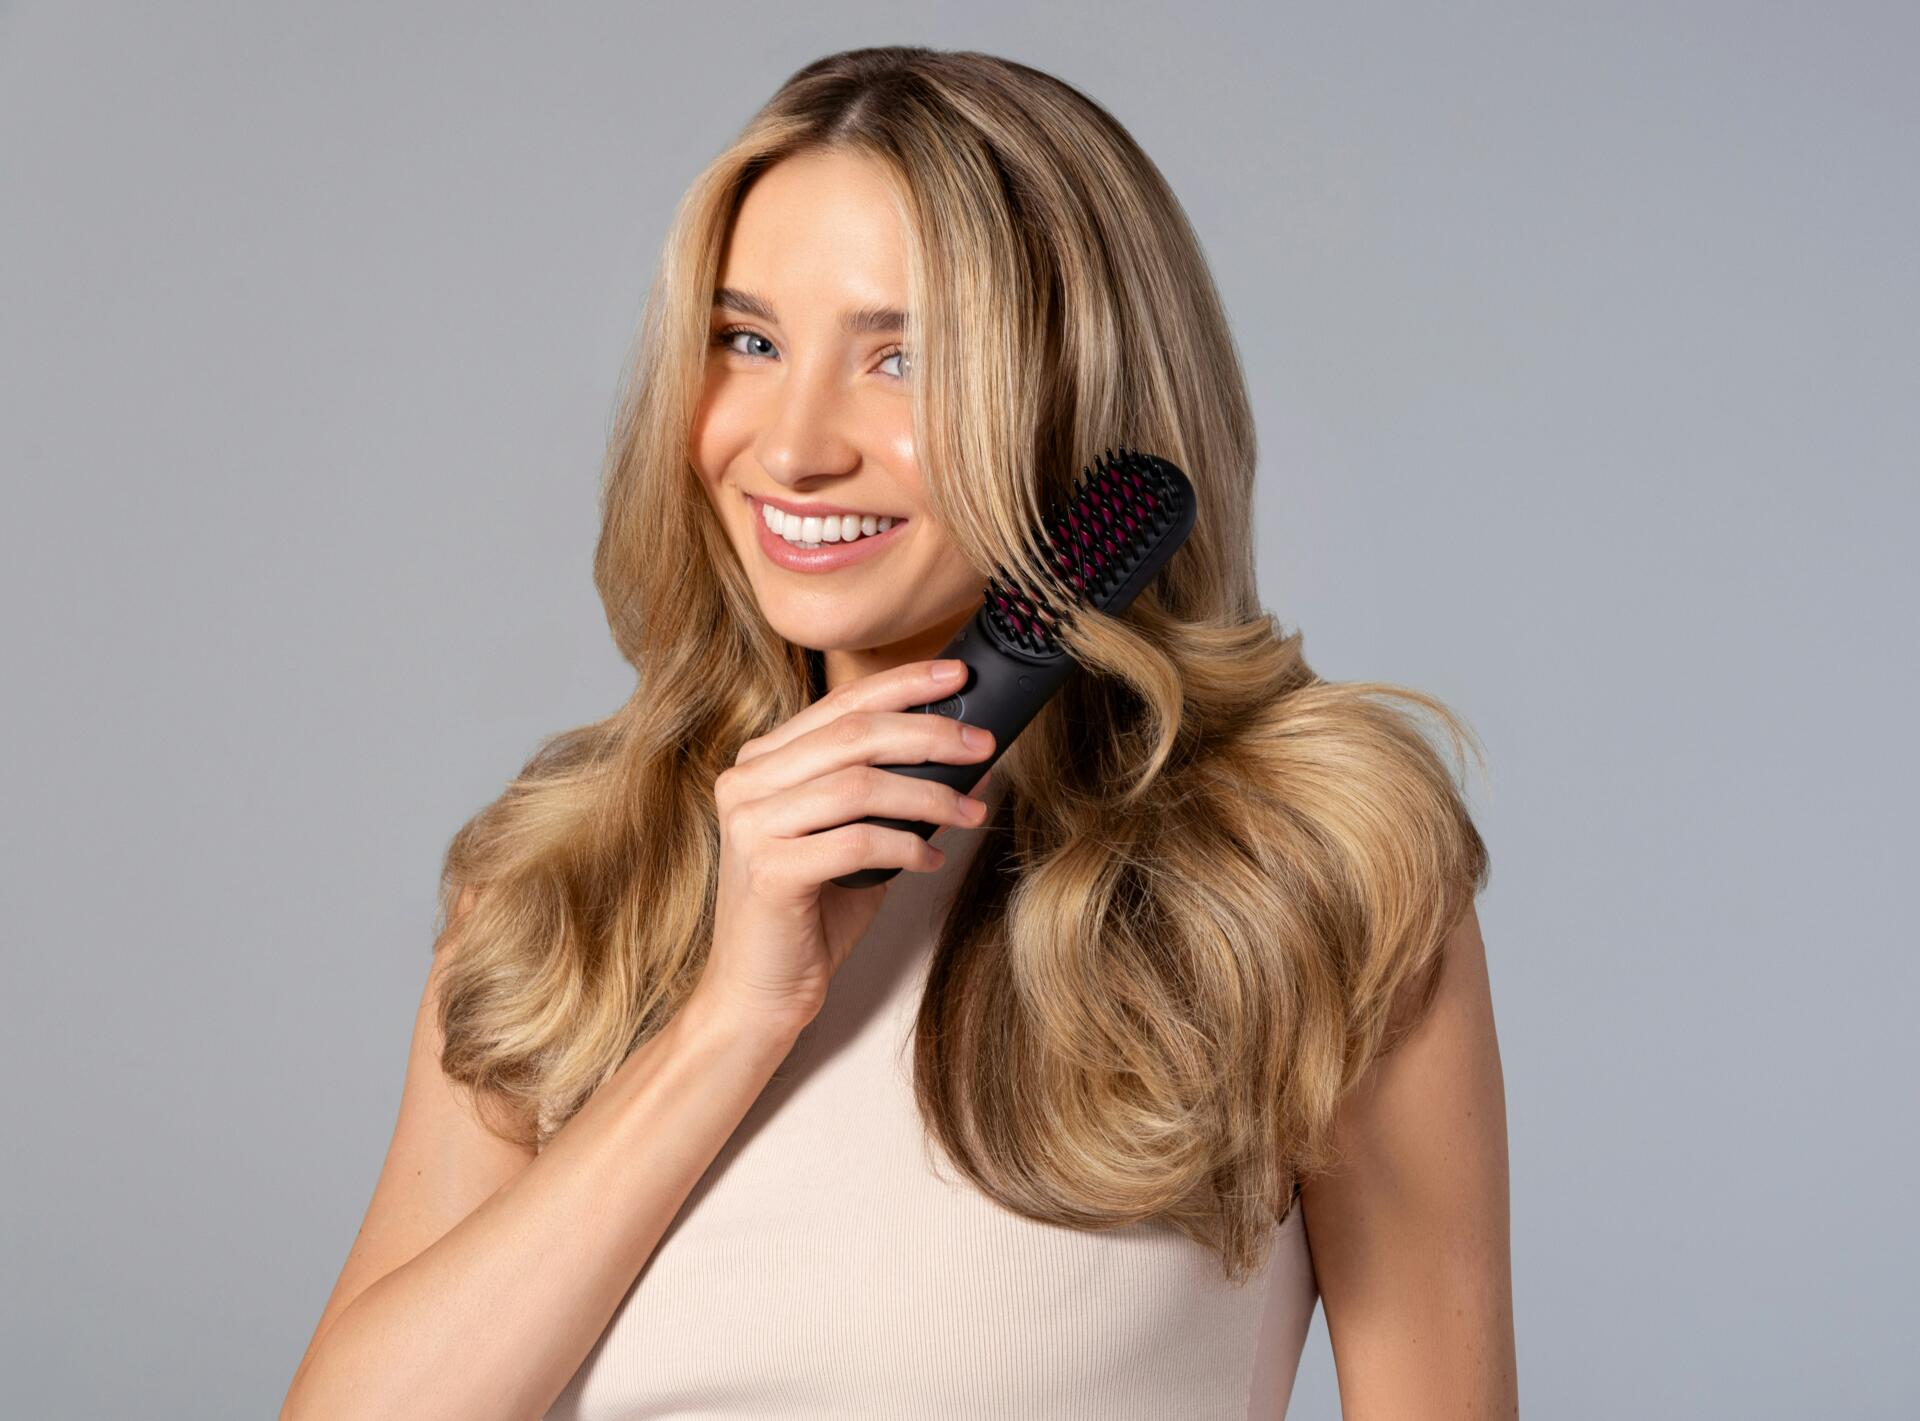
(789, 808)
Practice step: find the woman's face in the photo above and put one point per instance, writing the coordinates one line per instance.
(808, 406)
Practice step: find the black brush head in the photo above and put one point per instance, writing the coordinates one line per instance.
(1124, 519)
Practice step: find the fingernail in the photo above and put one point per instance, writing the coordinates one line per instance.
(949, 670)
(976, 738)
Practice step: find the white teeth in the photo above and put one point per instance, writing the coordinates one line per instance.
(813, 532)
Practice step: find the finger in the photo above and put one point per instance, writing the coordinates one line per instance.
(856, 846)
(861, 792)
(977, 792)
(869, 739)
(898, 687)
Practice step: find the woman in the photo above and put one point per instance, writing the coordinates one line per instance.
(1104, 1095)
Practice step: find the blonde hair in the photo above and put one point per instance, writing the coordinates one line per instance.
(1213, 880)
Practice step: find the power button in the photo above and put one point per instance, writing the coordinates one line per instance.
(953, 705)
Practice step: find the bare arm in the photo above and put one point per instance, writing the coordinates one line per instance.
(1410, 1235)
(484, 1274)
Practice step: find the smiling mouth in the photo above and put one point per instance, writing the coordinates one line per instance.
(819, 531)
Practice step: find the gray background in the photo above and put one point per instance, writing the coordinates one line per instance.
(1583, 344)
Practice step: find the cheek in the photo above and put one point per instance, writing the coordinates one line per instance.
(946, 568)
(903, 461)
(719, 431)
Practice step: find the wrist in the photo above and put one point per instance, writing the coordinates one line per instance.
(710, 1014)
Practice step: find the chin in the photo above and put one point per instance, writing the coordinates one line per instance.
(830, 634)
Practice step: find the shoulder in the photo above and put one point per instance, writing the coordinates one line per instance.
(1409, 1230)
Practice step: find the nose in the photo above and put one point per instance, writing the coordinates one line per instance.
(803, 433)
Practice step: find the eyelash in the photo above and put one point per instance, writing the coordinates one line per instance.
(725, 337)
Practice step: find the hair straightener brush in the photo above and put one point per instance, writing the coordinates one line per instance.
(1124, 519)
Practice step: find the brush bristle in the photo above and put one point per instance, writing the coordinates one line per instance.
(1125, 511)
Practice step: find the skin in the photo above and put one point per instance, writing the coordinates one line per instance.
(1410, 1235)
(797, 408)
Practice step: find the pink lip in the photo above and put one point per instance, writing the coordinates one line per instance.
(828, 557)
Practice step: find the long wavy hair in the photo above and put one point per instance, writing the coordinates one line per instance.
(1215, 886)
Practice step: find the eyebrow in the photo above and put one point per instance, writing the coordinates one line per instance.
(884, 320)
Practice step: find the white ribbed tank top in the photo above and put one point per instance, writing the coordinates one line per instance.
(831, 1264)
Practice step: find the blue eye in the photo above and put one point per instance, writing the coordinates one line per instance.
(725, 340)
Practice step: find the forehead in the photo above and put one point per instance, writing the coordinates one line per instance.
(819, 227)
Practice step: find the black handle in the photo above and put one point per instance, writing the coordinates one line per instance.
(1002, 692)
